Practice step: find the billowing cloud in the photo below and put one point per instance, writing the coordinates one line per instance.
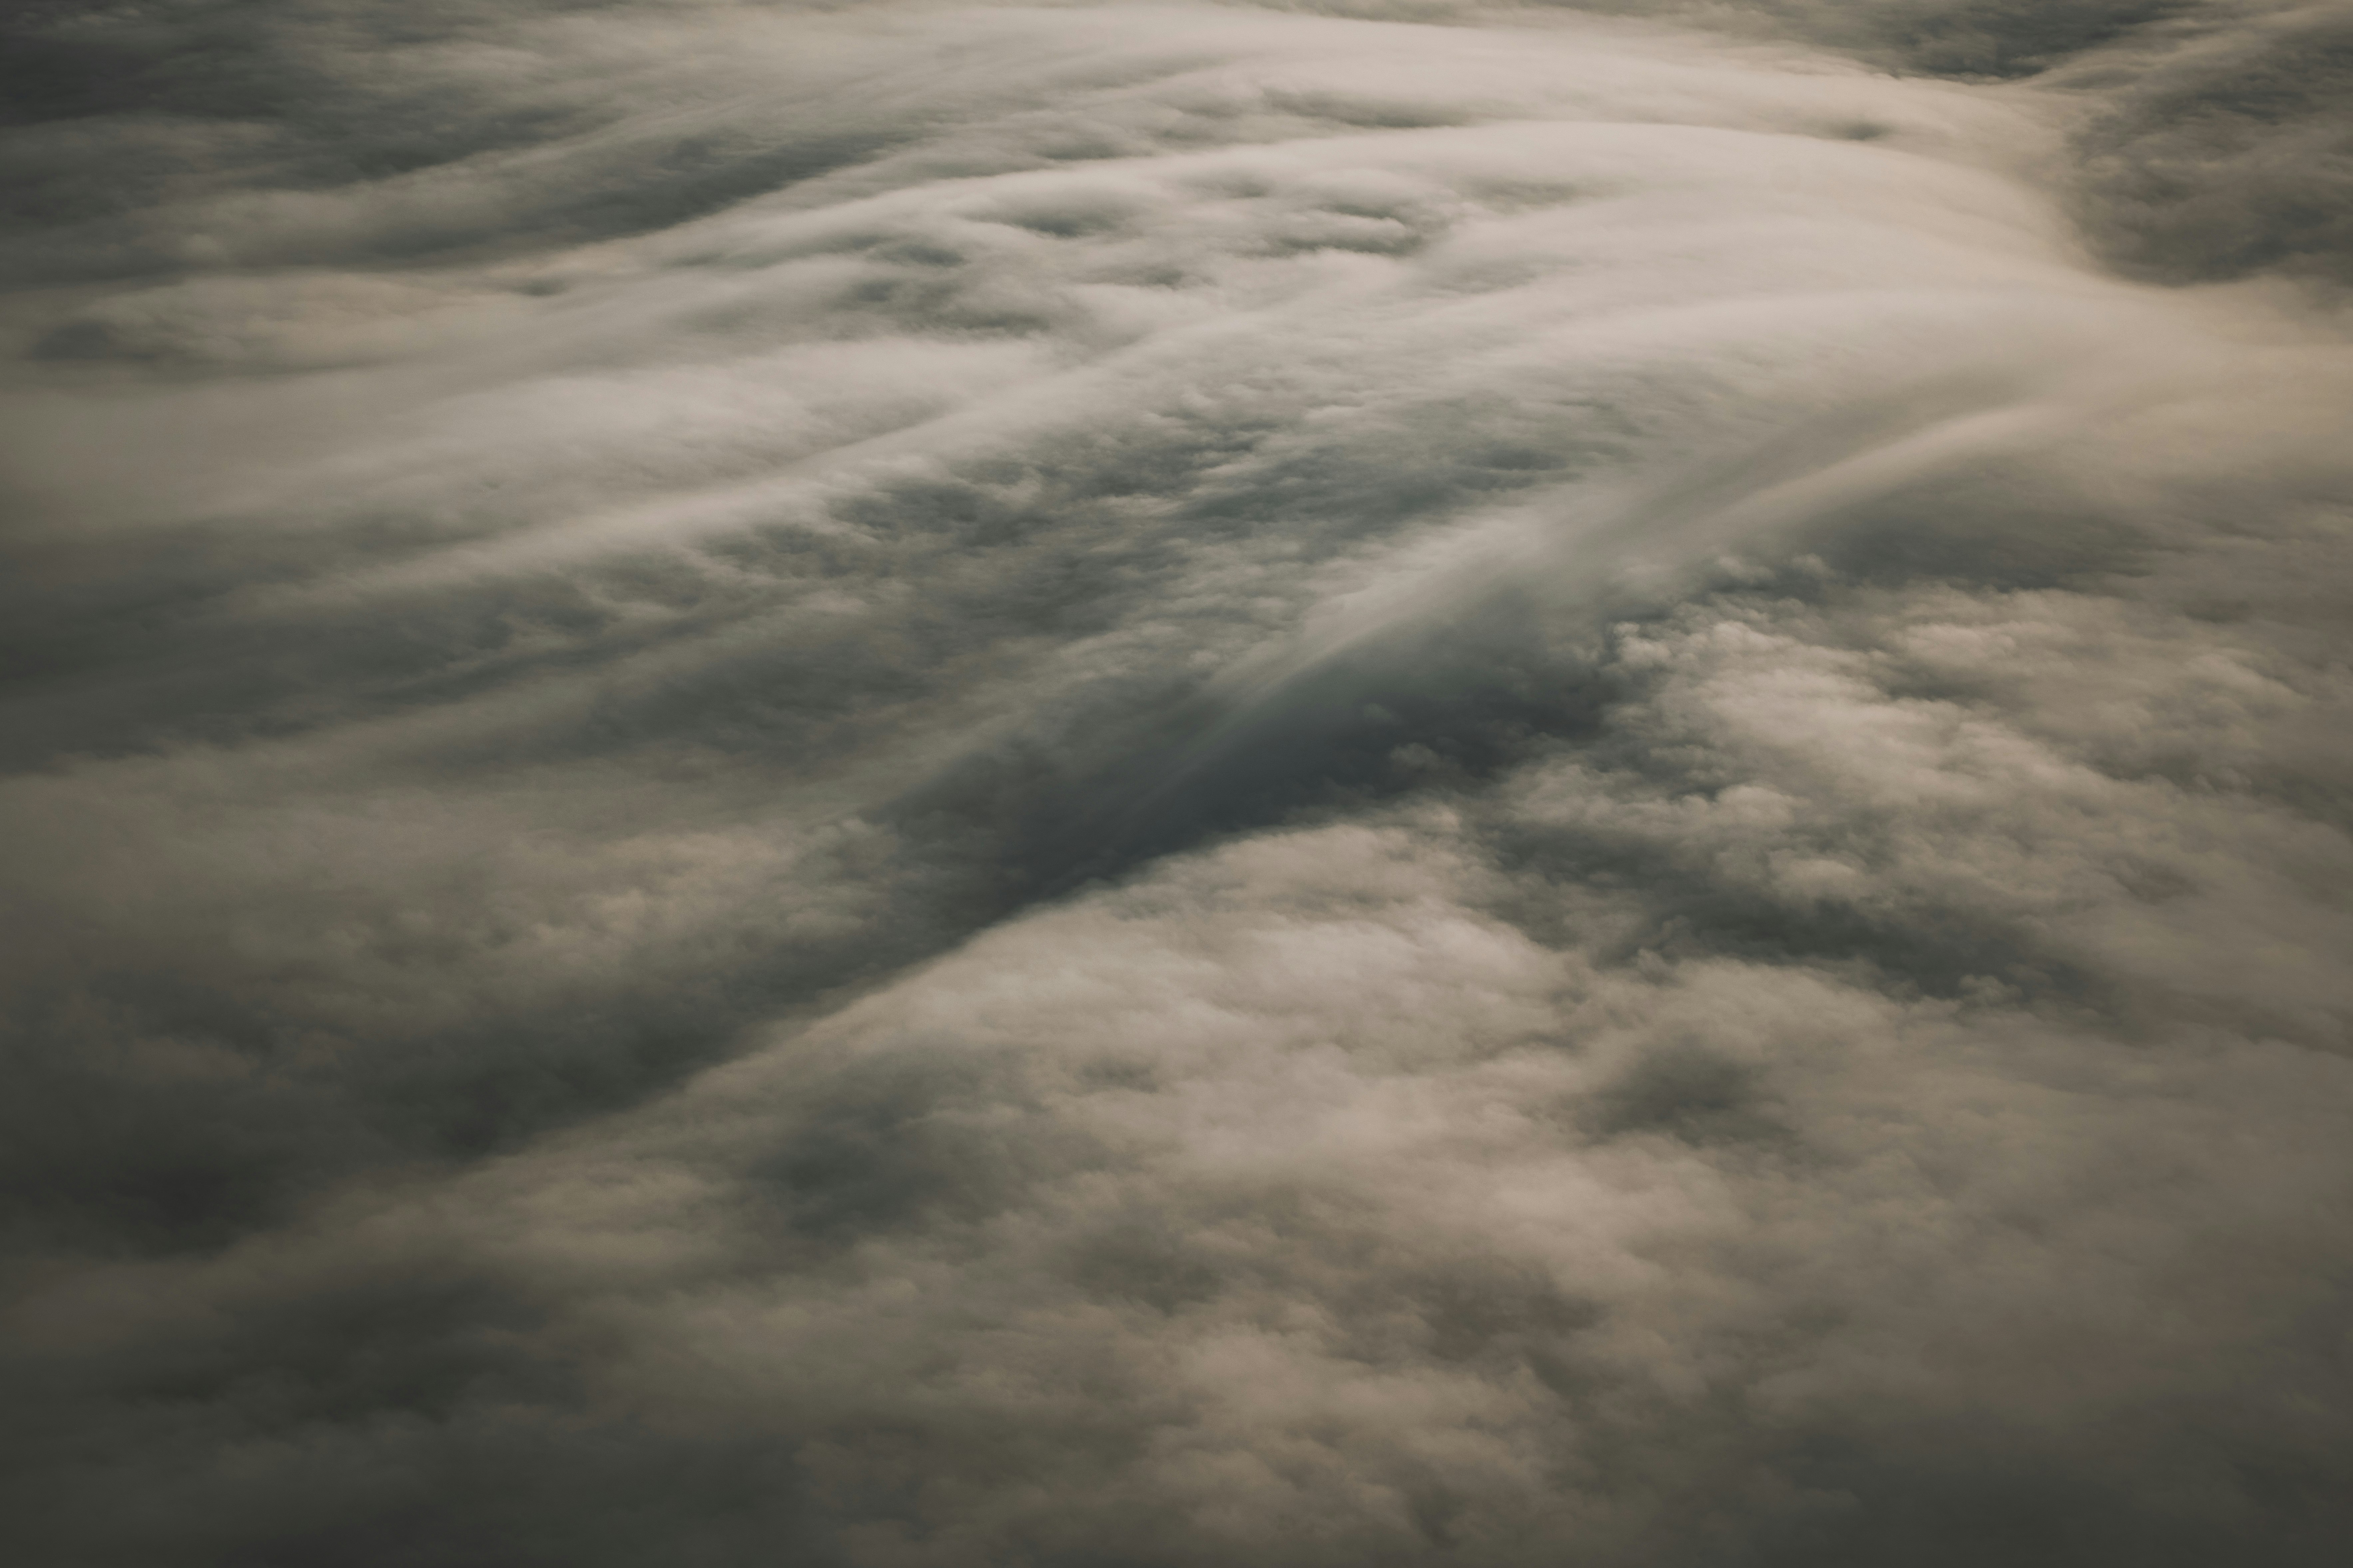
(908, 785)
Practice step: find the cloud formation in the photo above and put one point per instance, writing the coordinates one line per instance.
(906, 784)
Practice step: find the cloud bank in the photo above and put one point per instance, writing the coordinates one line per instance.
(911, 785)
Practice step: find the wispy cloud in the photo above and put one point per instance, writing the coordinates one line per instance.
(929, 786)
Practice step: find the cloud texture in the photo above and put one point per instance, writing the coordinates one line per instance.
(908, 786)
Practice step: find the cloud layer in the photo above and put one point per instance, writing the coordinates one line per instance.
(931, 785)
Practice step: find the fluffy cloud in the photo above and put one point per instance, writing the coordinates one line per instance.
(939, 785)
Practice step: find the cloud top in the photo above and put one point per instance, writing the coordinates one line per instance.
(924, 786)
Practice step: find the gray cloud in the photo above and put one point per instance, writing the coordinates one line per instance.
(2226, 154)
(913, 786)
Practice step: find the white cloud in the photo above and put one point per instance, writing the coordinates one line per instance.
(944, 785)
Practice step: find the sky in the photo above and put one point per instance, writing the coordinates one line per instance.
(1388, 784)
